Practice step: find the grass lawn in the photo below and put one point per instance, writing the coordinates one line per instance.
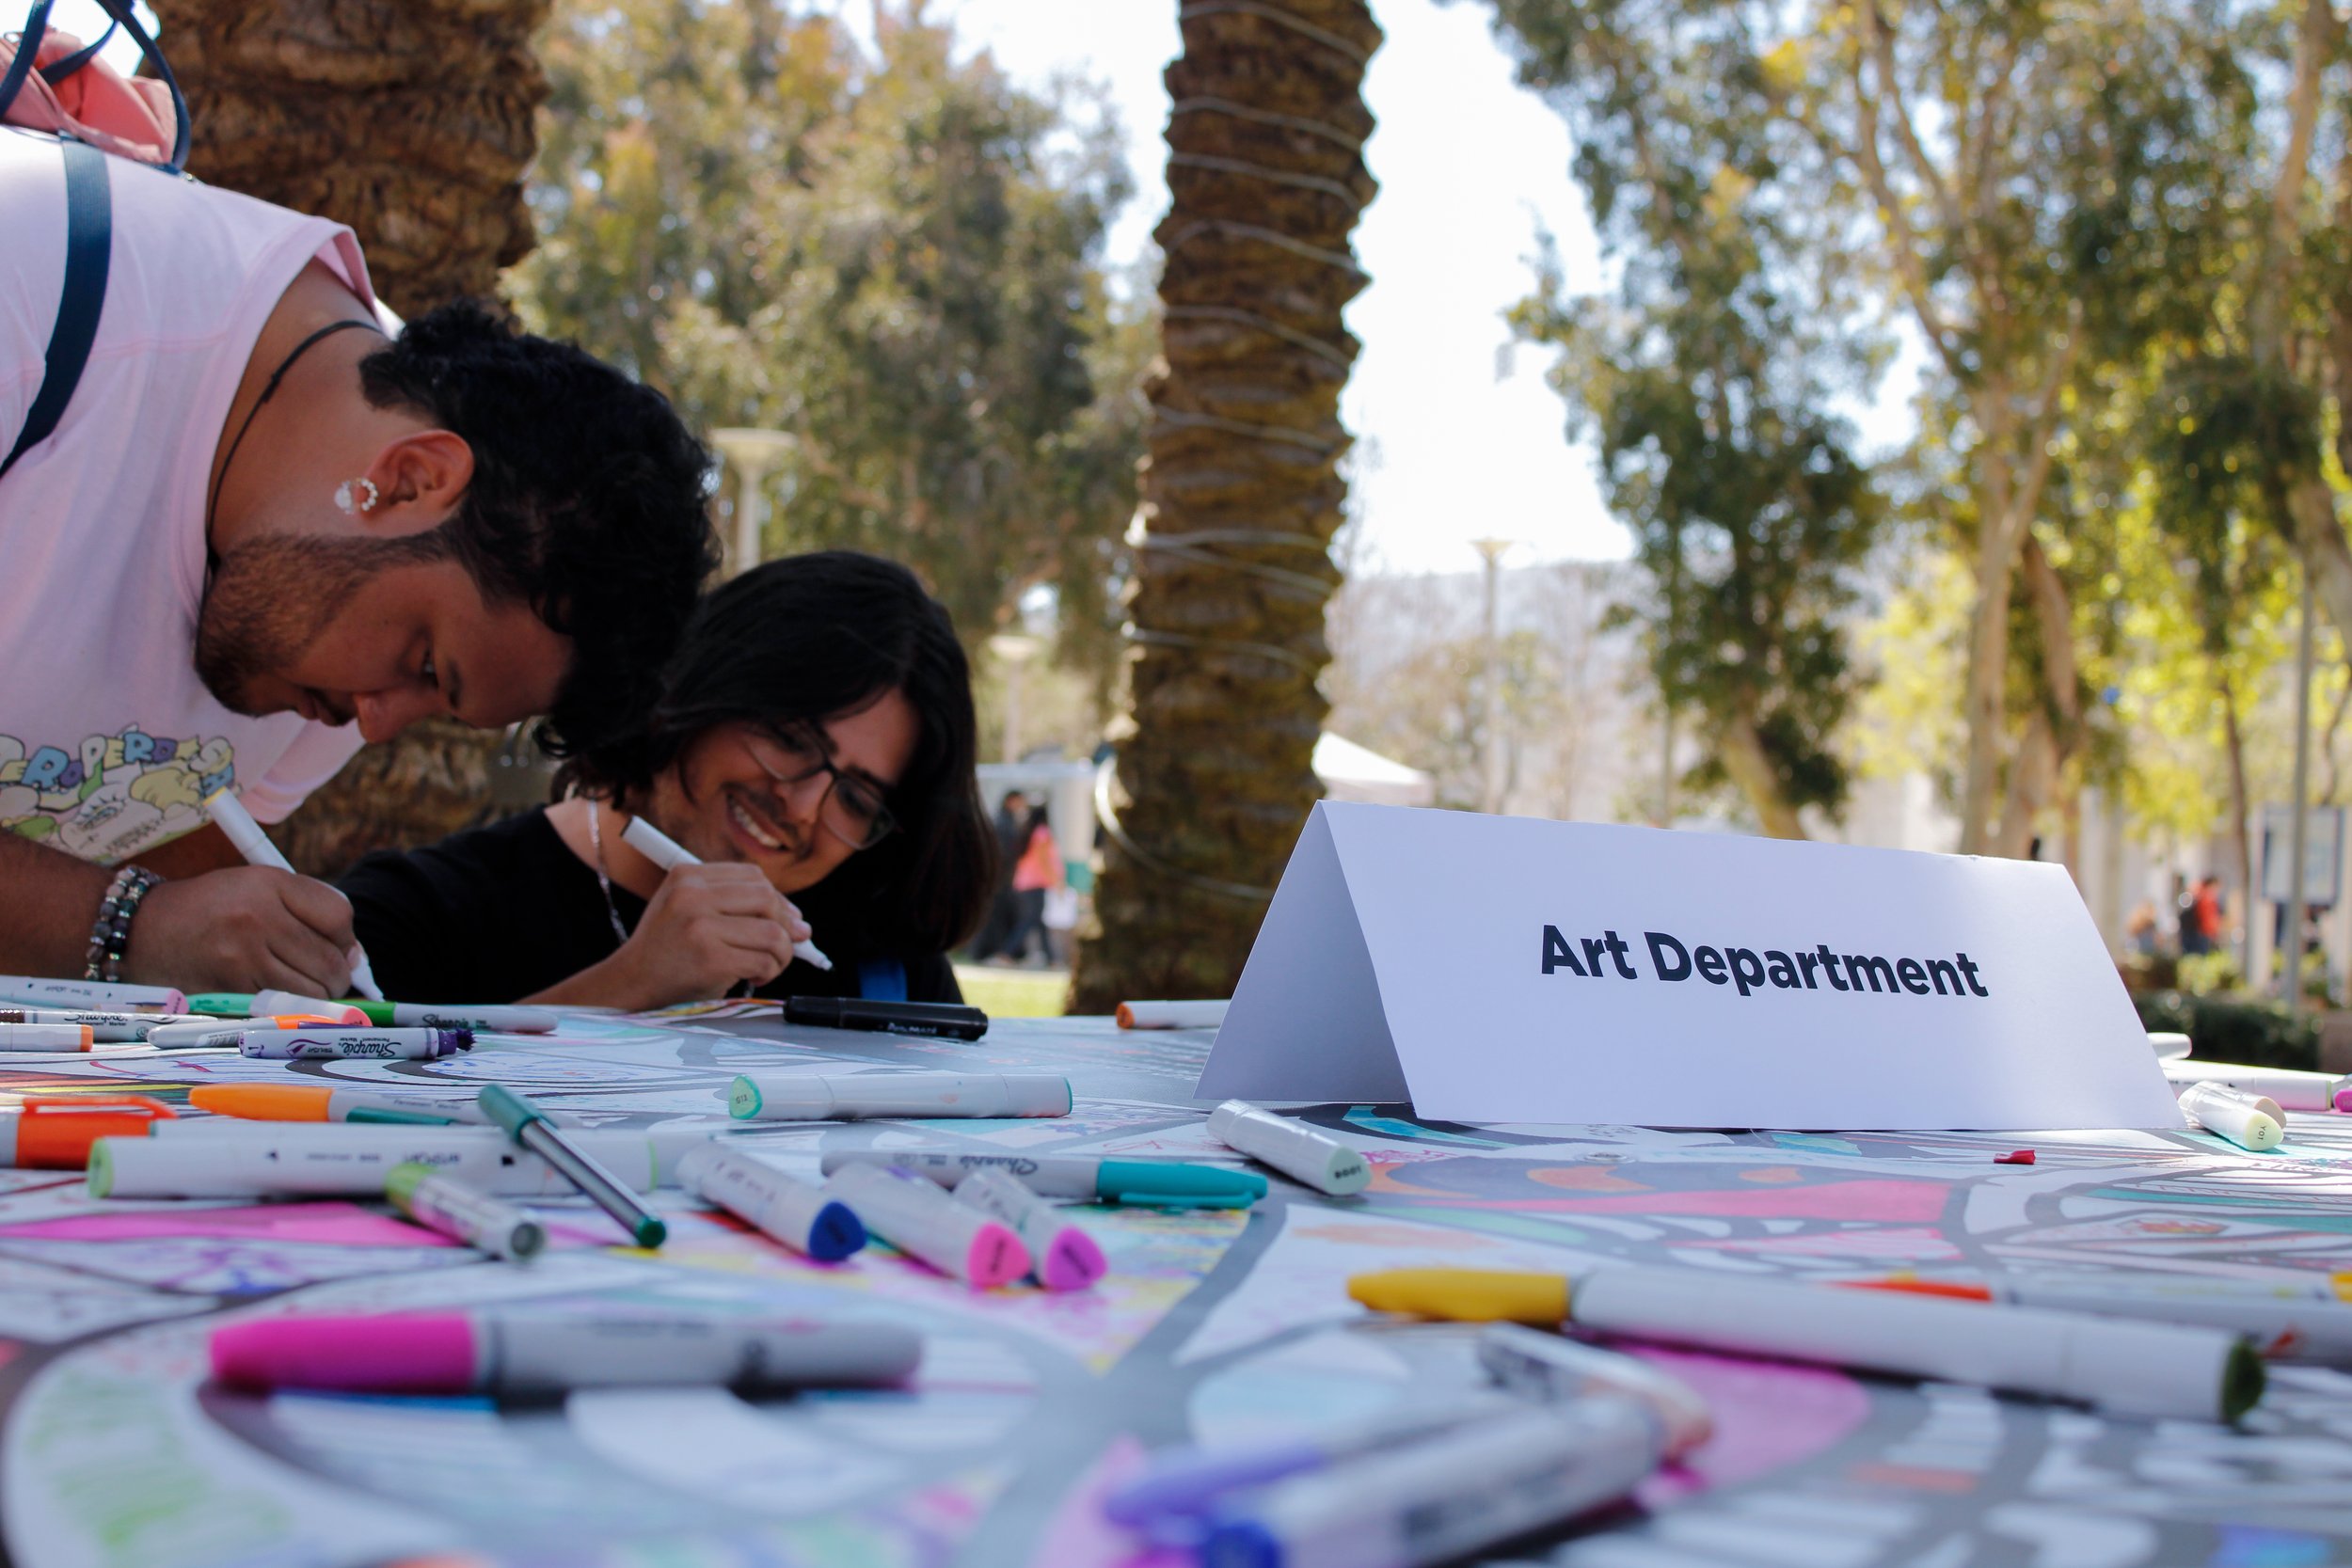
(1014, 993)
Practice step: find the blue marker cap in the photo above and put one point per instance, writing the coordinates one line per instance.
(836, 1233)
(1242, 1544)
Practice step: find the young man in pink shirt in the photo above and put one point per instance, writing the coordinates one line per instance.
(272, 524)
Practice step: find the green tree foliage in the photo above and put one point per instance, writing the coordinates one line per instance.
(1706, 377)
(894, 255)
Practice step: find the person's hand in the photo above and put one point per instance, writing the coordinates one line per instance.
(708, 929)
(246, 928)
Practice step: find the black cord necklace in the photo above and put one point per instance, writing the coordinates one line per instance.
(269, 389)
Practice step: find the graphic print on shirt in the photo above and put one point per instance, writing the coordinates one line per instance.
(112, 795)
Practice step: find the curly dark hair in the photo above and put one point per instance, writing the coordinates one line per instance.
(587, 501)
(809, 638)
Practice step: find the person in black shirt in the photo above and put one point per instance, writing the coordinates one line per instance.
(812, 740)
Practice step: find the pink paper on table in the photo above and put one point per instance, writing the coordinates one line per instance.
(1768, 1415)
(331, 1224)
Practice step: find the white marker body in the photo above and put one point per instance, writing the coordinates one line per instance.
(667, 853)
(534, 1353)
(37, 992)
(105, 1028)
(916, 1095)
(2167, 1046)
(1067, 1176)
(918, 1219)
(222, 1157)
(286, 1003)
(212, 1035)
(1560, 1370)
(44, 1037)
(1450, 1494)
(326, 1045)
(1293, 1147)
(1063, 1256)
(228, 814)
(2133, 1368)
(1172, 1015)
(2249, 1120)
(780, 1206)
(2296, 1091)
(468, 1214)
(493, 1020)
(2298, 1325)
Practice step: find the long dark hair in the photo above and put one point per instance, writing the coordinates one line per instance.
(807, 639)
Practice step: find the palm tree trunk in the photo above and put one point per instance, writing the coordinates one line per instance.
(1242, 493)
(413, 123)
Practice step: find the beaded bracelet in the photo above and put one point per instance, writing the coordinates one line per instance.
(111, 935)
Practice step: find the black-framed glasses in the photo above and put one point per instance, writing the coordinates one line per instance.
(853, 808)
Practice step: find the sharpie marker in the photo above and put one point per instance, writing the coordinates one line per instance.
(1293, 1147)
(209, 1034)
(523, 1354)
(105, 1028)
(925, 1223)
(1444, 1497)
(2249, 1120)
(1559, 1370)
(46, 1037)
(2160, 1371)
(480, 1221)
(318, 1103)
(339, 1044)
(489, 1020)
(783, 1208)
(1062, 1255)
(917, 1096)
(113, 997)
(667, 853)
(937, 1019)
(2304, 1322)
(229, 815)
(56, 1134)
(1085, 1178)
(220, 1158)
(275, 1003)
(2296, 1091)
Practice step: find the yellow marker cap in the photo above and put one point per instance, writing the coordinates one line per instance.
(2342, 1283)
(1467, 1295)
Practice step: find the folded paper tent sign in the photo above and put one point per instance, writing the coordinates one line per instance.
(1505, 968)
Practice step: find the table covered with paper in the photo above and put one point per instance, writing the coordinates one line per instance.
(1219, 1327)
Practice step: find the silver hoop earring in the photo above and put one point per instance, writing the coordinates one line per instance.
(346, 503)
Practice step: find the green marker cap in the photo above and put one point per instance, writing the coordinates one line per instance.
(222, 1004)
(400, 1182)
(743, 1099)
(2243, 1377)
(1169, 1184)
(102, 1169)
(379, 1013)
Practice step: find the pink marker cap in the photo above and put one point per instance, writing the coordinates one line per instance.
(375, 1353)
(998, 1257)
(2344, 1100)
(1071, 1262)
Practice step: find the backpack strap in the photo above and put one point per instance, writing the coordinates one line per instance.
(88, 252)
(36, 28)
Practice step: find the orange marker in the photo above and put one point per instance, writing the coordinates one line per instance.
(55, 1134)
(46, 1037)
(310, 1103)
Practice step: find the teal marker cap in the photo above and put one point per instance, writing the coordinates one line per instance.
(743, 1099)
(1168, 1184)
(222, 1004)
(386, 1114)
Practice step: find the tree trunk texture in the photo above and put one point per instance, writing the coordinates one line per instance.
(1741, 750)
(411, 121)
(2054, 733)
(1241, 492)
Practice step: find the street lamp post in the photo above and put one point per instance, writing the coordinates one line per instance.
(755, 454)
(1492, 551)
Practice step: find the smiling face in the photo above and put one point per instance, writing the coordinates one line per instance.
(726, 799)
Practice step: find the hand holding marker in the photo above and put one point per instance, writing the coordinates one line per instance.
(665, 852)
(255, 845)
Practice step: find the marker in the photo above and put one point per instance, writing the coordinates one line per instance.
(219, 1157)
(920, 1096)
(781, 1207)
(284, 1004)
(1293, 1147)
(459, 1212)
(2167, 1046)
(938, 1020)
(667, 853)
(340, 1044)
(923, 1222)
(1062, 1255)
(114, 997)
(318, 1102)
(1086, 1177)
(46, 1037)
(56, 1134)
(523, 1354)
(2130, 1368)
(105, 1028)
(487, 1019)
(209, 1034)
(221, 1004)
(2309, 1320)
(1444, 1497)
(228, 814)
(1172, 1015)
(1185, 1483)
(1559, 1370)
(2296, 1091)
(529, 1126)
(2249, 1120)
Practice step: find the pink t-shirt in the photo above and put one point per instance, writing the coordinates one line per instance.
(108, 741)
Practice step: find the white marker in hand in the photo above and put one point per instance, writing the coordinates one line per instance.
(254, 845)
(667, 853)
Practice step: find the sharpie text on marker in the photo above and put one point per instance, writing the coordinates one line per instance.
(1749, 970)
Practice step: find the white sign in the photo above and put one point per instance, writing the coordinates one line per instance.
(1504, 969)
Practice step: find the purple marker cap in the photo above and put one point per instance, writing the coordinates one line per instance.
(1073, 1262)
(1192, 1482)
